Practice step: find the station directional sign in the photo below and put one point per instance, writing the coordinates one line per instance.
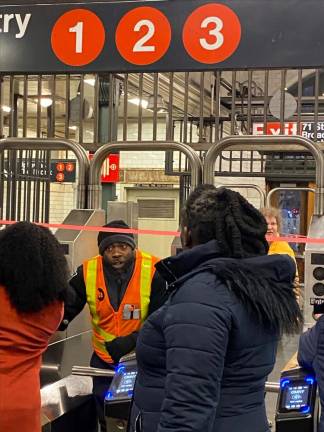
(180, 35)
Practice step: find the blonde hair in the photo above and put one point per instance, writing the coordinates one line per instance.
(273, 212)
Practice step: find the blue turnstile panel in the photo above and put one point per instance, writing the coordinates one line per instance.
(297, 405)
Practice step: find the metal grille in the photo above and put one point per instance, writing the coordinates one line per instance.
(156, 208)
(191, 107)
(24, 184)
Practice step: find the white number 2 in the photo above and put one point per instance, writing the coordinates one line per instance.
(139, 46)
(213, 32)
(78, 30)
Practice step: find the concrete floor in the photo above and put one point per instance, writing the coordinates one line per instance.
(287, 347)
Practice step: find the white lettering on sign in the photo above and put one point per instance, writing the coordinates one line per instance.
(139, 46)
(306, 129)
(78, 30)
(216, 32)
(10, 23)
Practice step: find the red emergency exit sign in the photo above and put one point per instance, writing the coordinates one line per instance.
(110, 168)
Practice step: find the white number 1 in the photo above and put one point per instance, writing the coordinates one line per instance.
(78, 30)
(213, 32)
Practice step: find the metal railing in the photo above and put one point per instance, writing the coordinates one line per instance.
(271, 387)
(278, 189)
(247, 186)
(266, 143)
(94, 200)
(91, 371)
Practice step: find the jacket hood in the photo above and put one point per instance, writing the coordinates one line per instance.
(264, 284)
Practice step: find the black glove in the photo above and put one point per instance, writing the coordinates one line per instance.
(121, 346)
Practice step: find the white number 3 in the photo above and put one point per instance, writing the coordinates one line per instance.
(213, 32)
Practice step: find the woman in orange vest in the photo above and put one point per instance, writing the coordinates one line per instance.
(33, 282)
(122, 289)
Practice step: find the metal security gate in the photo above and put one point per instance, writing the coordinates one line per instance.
(24, 185)
(196, 108)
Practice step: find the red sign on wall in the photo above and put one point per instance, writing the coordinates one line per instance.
(110, 169)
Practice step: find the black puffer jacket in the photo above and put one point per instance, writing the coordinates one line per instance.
(204, 357)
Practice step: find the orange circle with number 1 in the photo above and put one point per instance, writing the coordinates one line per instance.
(78, 37)
(60, 166)
(211, 33)
(143, 35)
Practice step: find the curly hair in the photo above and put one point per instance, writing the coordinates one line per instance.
(33, 269)
(273, 212)
(226, 216)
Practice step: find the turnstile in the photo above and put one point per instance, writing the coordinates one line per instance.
(119, 397)
(297, 404)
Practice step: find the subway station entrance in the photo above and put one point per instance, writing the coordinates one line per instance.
(115, 109)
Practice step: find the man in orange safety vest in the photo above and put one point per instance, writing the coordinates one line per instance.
(121, 288)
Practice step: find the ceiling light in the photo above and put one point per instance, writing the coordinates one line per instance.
(6, 108)
(159, 102)
(138, 102)
(46, 102)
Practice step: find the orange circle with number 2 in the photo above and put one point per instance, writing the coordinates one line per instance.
(211, 33)
(143, 35)
(78, 37)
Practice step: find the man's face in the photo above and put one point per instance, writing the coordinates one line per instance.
(119, 255)
(272, 226)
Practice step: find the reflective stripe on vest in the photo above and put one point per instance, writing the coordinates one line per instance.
(100, 335)
(145, 284)
(91, 288)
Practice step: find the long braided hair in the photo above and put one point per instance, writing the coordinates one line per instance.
(240, 229)
(226, 216)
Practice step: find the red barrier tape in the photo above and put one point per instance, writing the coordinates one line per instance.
(98, 228)
(288, 238)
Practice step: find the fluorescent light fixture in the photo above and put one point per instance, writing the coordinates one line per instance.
(6, 108)
(90, 81)
(46, 102)
(138, 102)
(160, 105)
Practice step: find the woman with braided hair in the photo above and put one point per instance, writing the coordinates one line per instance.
(203, 357)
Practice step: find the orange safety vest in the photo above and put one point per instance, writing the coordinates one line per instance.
(107, 324)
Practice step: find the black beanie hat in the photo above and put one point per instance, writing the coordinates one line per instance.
(105, 238)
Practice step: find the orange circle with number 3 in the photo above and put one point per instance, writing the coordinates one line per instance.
(78, 37)
(211, 33)
(143, 35)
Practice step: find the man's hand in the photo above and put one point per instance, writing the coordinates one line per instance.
(120, 346)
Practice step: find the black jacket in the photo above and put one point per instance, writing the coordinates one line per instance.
(311, 356)
(203, 358)
(117, 284)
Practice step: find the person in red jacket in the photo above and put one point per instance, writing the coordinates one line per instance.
(122, 288)
(33, 282)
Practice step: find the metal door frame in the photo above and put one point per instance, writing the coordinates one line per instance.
(94, 191)
(55, 144)
(277, 189)
(247, 186)
(294, 143)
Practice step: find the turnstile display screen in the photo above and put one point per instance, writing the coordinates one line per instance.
(126, 383)
(296, 397)
(123, 382)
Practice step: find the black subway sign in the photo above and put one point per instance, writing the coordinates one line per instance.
(177, 35)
